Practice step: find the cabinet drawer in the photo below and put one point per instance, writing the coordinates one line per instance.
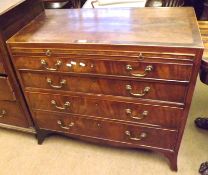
(137, 69)
(126, 133)
(2, 71)
(6, 91)
(107, 86)
(10, 113)
(107, 51)
(154, 115)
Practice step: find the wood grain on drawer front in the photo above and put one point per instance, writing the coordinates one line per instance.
(104, 129)
(6, 91)
(2, 71)
(160, 116)
(106, 86)
(10, 113)
(139, 69)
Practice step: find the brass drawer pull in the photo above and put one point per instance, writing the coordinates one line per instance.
(45, 65)
(63, 126)
(148, 69)
(3, 113)
(48, 53)
(142, 116)
(62, 83)
(141, 94)
(141, 136)
(65, 106)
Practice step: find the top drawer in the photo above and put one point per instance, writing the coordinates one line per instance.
(6, 91)
(131, 52)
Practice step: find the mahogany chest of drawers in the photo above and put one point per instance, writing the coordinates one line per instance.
(123, 77)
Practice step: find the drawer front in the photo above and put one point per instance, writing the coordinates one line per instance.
(6, 91)
(2, 71)
(135, 89)
(10, 113)
(136, 113)
(132, 134)
(112, 52)
(138, 69)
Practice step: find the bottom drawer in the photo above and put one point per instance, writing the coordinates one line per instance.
(10, 113)
(104, 129)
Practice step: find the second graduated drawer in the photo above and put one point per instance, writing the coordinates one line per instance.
(156, 69)
(168, 92)
(155, 115)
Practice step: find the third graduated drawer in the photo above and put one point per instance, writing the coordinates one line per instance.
(160, 91)
(155, 68)
(153, 115)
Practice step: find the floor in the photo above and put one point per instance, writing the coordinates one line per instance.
(20, 154)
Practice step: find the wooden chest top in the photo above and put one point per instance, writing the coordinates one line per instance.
(174, 27)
